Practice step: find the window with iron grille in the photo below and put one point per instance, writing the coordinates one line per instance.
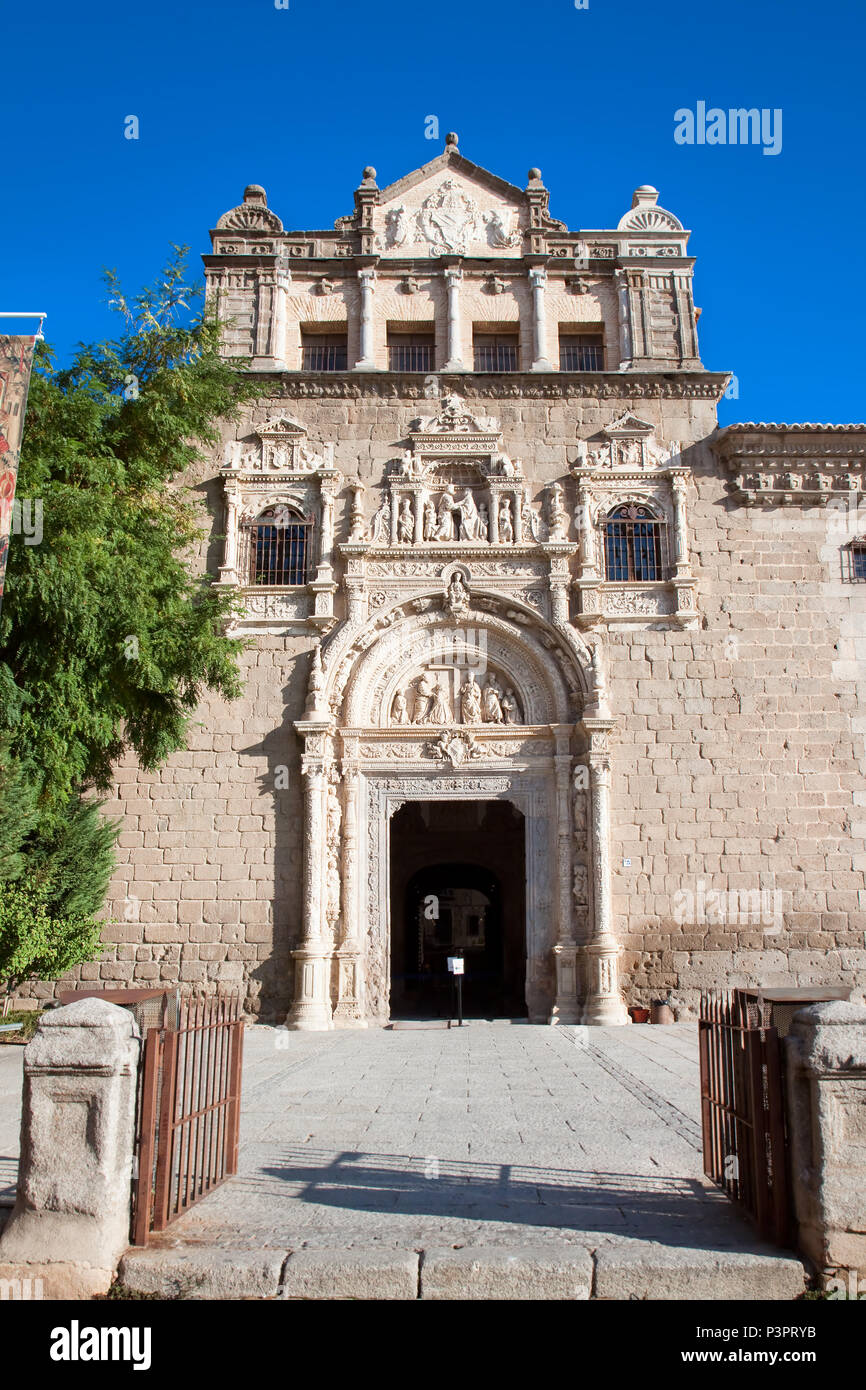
(325, 352)
(854, 562)
(411, 352)
(496, 352)
(279, 548)
(633, 544)
(581, 352)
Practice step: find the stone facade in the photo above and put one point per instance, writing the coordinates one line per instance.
(681, 733)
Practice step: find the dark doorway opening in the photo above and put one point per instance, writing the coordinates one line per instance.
(458, 888)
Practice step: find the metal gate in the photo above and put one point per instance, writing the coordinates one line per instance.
(189, 1111)
(743, 1109)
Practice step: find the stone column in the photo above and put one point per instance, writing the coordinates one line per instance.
(565, 1008)
(603, 1003)
(538, 281)
(826, 1107)
(366, 280)
(71, 1219)
(229, 566)
(349, 1010)
(312, 1007)
(453, 278)
(623, 316)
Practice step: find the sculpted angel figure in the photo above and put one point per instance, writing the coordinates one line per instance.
(380, 526)
(470, 701)
(406, 522)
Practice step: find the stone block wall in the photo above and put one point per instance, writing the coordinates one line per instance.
(737, 765)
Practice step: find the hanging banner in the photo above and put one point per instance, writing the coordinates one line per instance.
(16, 360)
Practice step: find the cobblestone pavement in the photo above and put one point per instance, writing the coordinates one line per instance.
(490, 1135)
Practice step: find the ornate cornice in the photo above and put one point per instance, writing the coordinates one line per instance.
(670, 385)
(805, 464)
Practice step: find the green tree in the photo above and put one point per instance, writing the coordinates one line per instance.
(108, 636)
(36, 945)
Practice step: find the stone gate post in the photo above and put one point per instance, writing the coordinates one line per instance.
(71, 1219)
(826, 1098)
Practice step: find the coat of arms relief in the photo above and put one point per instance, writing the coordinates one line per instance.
(449, 222)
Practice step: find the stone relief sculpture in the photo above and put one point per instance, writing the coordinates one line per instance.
(531, 520)
(556, 514)
(506, 522)
(500, 229)
(425, 691)
(431, 520)
(400, 709)
(470, 701)
(396, 226)
(380, 526)
(441, 712)
(406, 522)
(457, 599)
(581, 885)
(491, 702)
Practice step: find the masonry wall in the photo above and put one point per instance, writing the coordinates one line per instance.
(738, 763)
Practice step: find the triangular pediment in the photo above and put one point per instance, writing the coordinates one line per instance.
(627, 424)
(451, 207)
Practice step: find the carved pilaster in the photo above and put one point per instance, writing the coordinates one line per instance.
(565, 1008)
(312, 1009)
(538, 281)
(349, 1010)
(453, 278)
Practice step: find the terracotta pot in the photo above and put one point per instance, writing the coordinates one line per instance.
(639, 1015)
(661, 1012)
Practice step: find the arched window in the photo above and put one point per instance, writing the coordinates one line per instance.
(634, 544)
(278, 547)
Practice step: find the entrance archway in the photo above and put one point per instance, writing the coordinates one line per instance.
(458, 886)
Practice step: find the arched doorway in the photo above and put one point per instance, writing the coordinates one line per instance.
(458, 888)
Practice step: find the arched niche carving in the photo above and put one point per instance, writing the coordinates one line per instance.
(550, 683)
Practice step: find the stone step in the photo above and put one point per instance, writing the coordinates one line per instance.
(630, 1269)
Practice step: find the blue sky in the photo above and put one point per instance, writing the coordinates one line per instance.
(300, 99)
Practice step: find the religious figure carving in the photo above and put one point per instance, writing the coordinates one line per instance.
(458, 595)
(441, 712)
(431, 521)
(447, 507)
(483, 522)
(396, 226)
(406, 522)
(557, 515)
(470, 701)
(506, 523)
(399, 709)
(468, 517)
(581, 885)
(425, 690)
(531, 520)
(500, 228)
(509, 707)
(491, 702)
(380, 526)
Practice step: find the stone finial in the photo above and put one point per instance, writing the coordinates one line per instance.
(369, 177)
(645, 196)
(451, 141)
(254, 193)
(535, 180)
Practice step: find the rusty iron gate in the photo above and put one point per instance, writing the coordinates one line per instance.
(743, 1109)
(188, 1111)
